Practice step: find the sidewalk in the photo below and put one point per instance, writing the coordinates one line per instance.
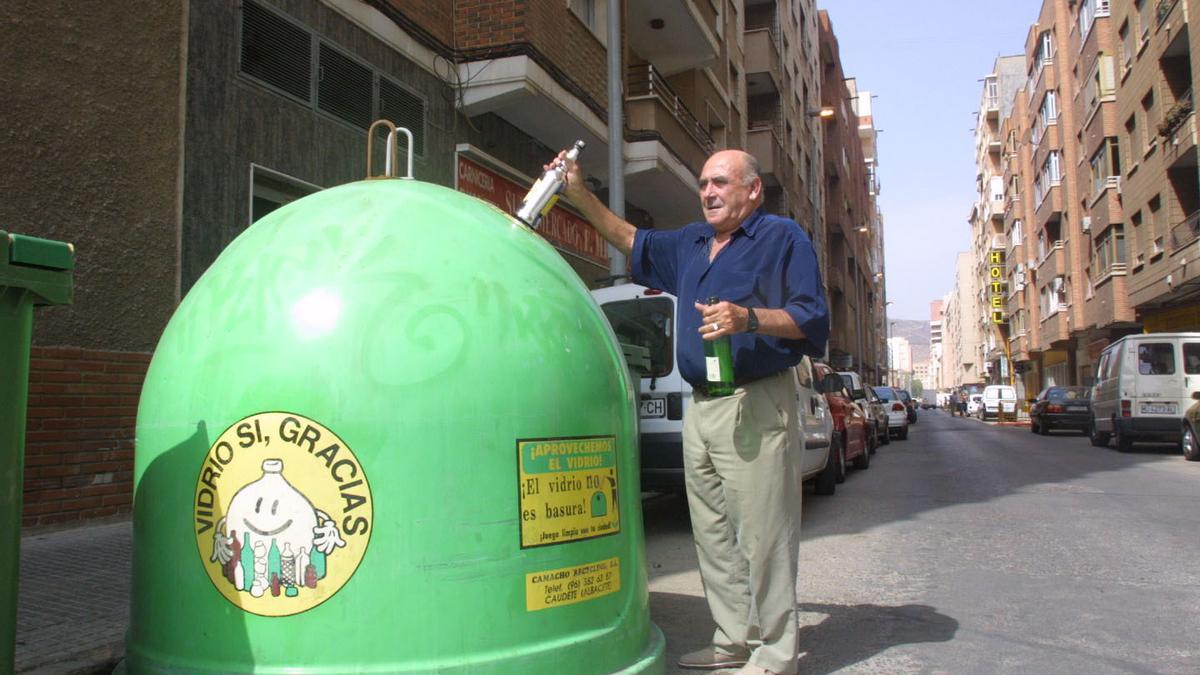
(73, 604)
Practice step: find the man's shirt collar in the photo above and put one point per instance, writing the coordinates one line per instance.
(749, 226)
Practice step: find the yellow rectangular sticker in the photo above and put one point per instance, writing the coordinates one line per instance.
(568, 489)
(569, 585)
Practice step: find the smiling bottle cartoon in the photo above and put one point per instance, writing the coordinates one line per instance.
(272, 512)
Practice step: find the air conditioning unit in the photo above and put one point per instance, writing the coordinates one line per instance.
(1086, 225)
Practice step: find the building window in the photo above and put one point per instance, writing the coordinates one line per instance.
(270, 190)
(1110, 249)
(282, 55)
(275, 51)
(593, 13)
(1105, 163)
(1145, 136)
(1125, 48)
(344, 87)
(1048, 176)
(1144, 20)
(1099, 86)
(1047, 115)
(1088, 11)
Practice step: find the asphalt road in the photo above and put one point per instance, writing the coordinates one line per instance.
(972, 548)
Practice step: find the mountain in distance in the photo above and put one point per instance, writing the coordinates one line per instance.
(917, 334)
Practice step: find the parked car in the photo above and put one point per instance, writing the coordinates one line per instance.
(910, 403)
(974, 403)
(896, 410)
(871, 404)
(1191, 427)
(998, 399)
(850, 434)
(1143, 386)
(645, 317)
(1061, 408)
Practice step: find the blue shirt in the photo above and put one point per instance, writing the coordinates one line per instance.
(768, 263)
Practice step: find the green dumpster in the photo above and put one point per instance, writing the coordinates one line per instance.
(388, 431)
(32, 272)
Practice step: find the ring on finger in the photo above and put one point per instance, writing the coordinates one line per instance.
(716, 327)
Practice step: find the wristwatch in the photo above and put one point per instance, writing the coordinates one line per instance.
(751, 320)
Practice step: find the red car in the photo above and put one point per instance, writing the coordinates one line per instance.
(851, 441)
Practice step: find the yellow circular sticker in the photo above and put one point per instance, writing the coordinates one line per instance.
(283, 513)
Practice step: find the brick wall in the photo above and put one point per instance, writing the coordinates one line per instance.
(80, 431)
(549, 26)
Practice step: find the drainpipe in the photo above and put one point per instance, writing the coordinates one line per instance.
(616, 135)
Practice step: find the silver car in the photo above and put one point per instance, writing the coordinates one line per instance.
(897, 412)
(871, 404)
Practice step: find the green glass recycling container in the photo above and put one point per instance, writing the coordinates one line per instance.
(388, 431)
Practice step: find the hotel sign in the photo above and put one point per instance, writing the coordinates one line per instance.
(562, 228)
(996, 286)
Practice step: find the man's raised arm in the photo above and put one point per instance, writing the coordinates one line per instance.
(617, 232)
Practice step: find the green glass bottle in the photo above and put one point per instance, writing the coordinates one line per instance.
(718, 361)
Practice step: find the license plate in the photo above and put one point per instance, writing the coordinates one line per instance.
(1158, 408)
(653, 407)
(1076, 408)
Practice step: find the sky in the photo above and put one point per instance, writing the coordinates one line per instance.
(924, 62)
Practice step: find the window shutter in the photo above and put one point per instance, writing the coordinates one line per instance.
(276, 51)
(344, 87)
(405, 109)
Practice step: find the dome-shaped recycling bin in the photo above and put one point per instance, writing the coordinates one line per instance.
(388, 431)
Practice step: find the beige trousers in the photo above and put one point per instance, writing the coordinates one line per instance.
(742, 469)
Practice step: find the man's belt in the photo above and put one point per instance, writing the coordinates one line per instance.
(737, 382)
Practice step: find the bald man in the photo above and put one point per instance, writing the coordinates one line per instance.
(741, 451)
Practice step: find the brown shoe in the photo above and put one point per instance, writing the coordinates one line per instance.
(711, 659)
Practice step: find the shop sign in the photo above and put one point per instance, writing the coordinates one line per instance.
(996, 286)
(564, 229)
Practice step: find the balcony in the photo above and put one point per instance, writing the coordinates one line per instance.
(1185, 232)
(1055, 328)
(991, 107)
(518, 90)
(1056, 257)
(1108, 303)
(1105, 205)
(835, 279)
(1178, 130)
(1050, 207)
(651, 104)
(763, 142)
(667, 148)
(1164, 9)
(763, 74)
(685, 37)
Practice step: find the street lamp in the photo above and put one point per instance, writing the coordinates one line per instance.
(825, 113)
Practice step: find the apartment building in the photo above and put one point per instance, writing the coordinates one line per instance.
(935, 345)
(188, 121)
(962, 361)
(988, 240)
(1155, 70)
(1101, 188)
(900, 355)
(869, 136)
(853, 238)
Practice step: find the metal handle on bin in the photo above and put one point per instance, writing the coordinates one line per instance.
(389, 166)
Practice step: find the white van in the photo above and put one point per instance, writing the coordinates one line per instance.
(1144, 383)
(645, 317)
(998, 398)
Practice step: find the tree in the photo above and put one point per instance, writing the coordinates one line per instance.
(917, 389)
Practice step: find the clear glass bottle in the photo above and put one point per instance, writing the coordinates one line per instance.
(718, 361)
